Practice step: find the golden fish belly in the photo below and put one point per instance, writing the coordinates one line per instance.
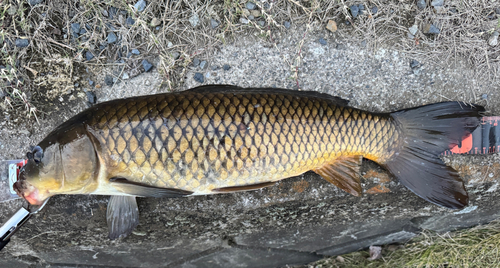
(201, 142)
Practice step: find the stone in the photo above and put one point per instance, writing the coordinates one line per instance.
(130, 21)
(250, 5)
(322, 41)
(104, 12)
(75, 28)
(140, 5)
(111, 38)
(414, 64)
(413, 29)
(331, 26)
(155, 22)
(108, 80)
(21, 42)
(147, 66)
(244, 21)
(431, 29)
(251, 17)
(226, 67)
(91, 97)
(261, 23)
(493, 40)
(135, 51)
(354, 10)
(125, 76)
(198, 77)
(176, 55)
(374, 10)
(89, 55)
(421, 4)
(437, 3)
(203, 64)
(214, 23)
(255, 13)
(34, 2)
(196, 62)
(194, 20)
(82, 31)
(287, 24)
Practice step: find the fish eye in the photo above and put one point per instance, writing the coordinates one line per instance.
(36, 154)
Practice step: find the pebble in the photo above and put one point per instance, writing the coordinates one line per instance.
(176, 55)
(437, 3)
(214, 23)
(410, 36)
(287, 24)
(354, 11)
(104, 12)
(76, 84)
(261, 23)
(413, 29)
(194, 20)
(111, 38)
(493, 41)
(155, 22)
(363, 43)
(421, 4)
(196, 62)
(157, 28)
(75, 28)
(226, 67)
(169, 44)
(125, 76)
(243, 20)
(250, 5)
(22, 42)
(214, 67)
(83, 31)
(147, 66)
(374, 10)
(414, 64)
(135, 51)
(91, 83)
(208, 75)
(251, 17)
(322, 41)
(34, 2)
(89, 55)
(203, 64)
(198, 77)
(91, 97)
(497, 10)
(140, 5)
(361, 7)
(431, 29)
(108, 80)
(255, 13)
(147, 83)
(130, 21)
(484, 96)
(331, 26)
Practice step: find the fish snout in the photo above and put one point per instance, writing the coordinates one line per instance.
(27, 191)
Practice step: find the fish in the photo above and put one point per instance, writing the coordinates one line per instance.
(221, 139)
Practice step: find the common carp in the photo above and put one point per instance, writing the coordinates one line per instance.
(219, 139)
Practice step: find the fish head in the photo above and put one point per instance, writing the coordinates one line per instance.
(58, 168)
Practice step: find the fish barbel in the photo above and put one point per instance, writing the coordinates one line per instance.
(217, 139)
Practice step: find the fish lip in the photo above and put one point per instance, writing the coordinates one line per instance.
(32, 197)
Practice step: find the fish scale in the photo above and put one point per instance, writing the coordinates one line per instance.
(200, 142)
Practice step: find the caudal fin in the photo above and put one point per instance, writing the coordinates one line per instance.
(428, 131)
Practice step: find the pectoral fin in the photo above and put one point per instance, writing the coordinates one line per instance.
(122, 216)
(140, 189)
(233, 189)
(343, 173)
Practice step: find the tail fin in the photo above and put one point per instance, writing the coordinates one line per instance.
(429, 130)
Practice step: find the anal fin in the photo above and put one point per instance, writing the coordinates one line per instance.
(122, 216)
(243, 188)
(343, 173)
(139, 189)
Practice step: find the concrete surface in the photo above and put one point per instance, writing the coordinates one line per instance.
(299, 220)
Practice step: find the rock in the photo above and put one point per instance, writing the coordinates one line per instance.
(250, 5)
(497, 10)
(198, 77)
(244, 21)
(130, 21)
(437, 3)
(140, 5)
(147, 66)
(20, 42)
(226, 67)
(135, 51)
(104, 12)
(331, 26)
(354, 11)
(108, 80)
(176, 55)
(155, 22)
(413, 29)
(196, 62)
(322, 41)
(125, 76)
(251, 17)
(91, 97)
(255, 13)
(261, 23)
(91, 83)
(414, 64)
(410, 36)
(89, 55)
(431, 29)
(214, 67)
(287, 24)
(484, 96)
(111, 38)
(493, 41)
(363, 43)
(214, 23)
(374, 10)
(208, 75)
(34, 2)
(194, 20)
(169, 44)
(375, 253)
(82, 31)
(421, 4)
(112, 12)
(361, 7)
(203, 64)
(75, 28)
(157, 28)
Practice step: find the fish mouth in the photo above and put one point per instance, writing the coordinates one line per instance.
(27, 191)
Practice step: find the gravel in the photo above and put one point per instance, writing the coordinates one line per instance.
(354, 11)
(91, 97)
(413, 29)
(251, 17)
(125, 76)
(130, 21)
(89, 55)
(194, 20)
(75, 28)
(414, 64)
(108, 80)
(82, 31)
(198, 77)
(135, 51)
(421, 4)
(437, 3)
(250, 5)
(331, 26)
(261, 23)
(111, 38)
(22, 42)
(226, 67)
(322, 41)
(147, 66)
(196, 62)
(176, 55)
(287, 24)
(214, 23)
(374, 10)
(140, 5)
(34, 2)
(431, 29)
(203, 64)
(493, 40)
(244, 21)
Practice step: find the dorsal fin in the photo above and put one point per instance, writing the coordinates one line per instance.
(235, 89)
(343, 173)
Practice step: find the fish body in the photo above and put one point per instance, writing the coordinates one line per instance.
(217, 139)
